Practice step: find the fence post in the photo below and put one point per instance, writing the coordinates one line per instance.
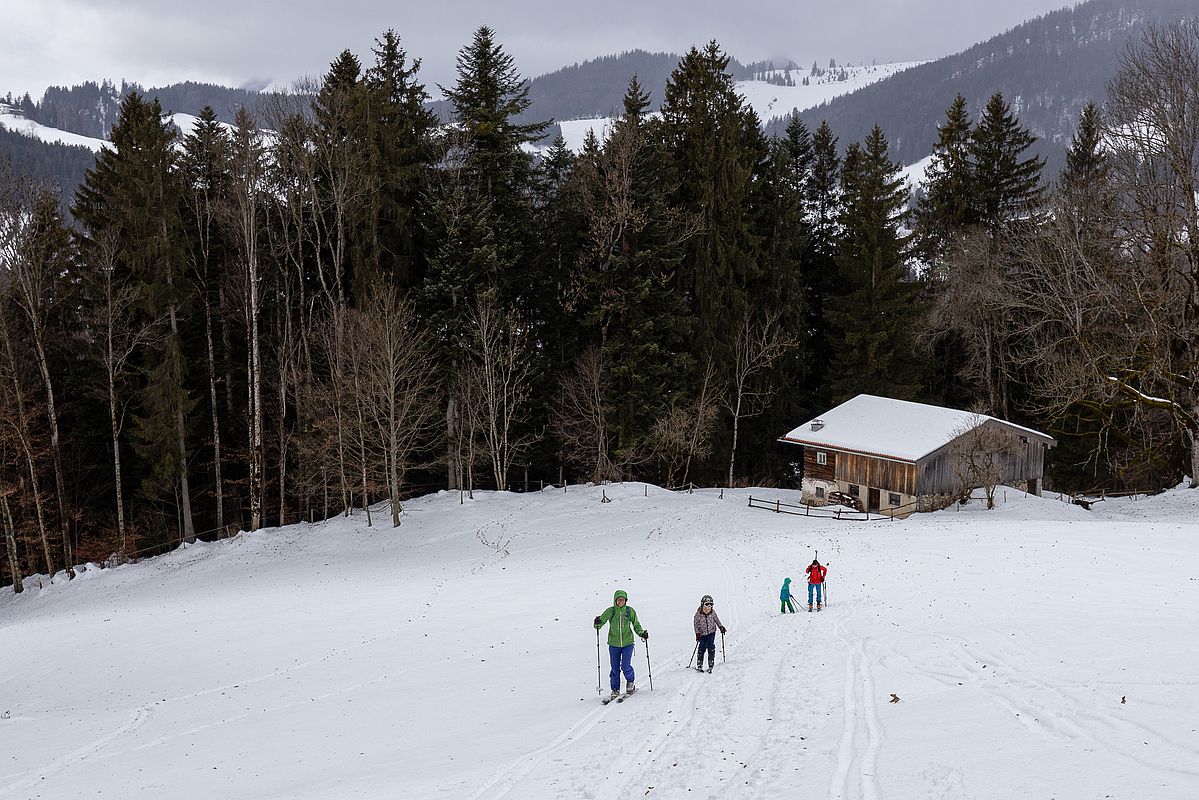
(776, 506)
(807, 509)
(722, 493)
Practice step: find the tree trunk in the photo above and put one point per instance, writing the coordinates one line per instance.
(453, 445)
(282, 431)
(114, 422)
(257, 484)
(10, 540)
(218, 483)
(393, 451)
(185, 510)
(55, 449)
(736, 427)
(1194, 437)
(23, 429)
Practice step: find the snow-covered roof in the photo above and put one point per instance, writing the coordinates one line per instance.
(895, 429)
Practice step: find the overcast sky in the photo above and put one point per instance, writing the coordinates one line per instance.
(236, 42)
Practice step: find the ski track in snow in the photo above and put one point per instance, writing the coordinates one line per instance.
(930, 608)
(861, 738)
(764, 686)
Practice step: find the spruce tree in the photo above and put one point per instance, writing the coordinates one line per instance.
(789, 286)
(823, 207)
(627, 300)
(713, 152)
(204, 171)
(1086, 163)
(873, 314)
(344, 183)
(400, 155)
(948, 203)
(1006, 183)
(489, 99)
(133, 197)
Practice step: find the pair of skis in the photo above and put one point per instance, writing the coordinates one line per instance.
(620, 698)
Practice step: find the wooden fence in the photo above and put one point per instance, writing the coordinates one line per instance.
(830, 512)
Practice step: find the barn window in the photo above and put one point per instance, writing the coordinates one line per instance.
(1024, 439)
(893, 498)
(820, 489)
(853, 490)
(821, 457)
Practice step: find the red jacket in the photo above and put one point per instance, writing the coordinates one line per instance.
(816, 575)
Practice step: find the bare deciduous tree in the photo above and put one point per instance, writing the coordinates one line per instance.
(1104, 297)
(400, 386)
(500, 358)
(980, 449)
(244, 216)
(34, 252)
(17, 417)
(967, 308)
(116, 333)
(580, 417)
(759, 344)
(684, 432)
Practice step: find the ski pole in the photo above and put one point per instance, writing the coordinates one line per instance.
(598, 690)
(648, 667)
(723, 658)
(694, 650)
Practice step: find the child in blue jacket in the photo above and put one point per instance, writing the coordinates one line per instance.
(785, 596)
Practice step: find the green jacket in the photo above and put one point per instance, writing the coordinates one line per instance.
(624, 622)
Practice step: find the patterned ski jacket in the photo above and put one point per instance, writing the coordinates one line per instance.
(707, 624)
(624, 622)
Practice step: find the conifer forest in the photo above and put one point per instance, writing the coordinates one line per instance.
(342, 300)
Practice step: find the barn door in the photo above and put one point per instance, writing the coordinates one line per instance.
(872, 499)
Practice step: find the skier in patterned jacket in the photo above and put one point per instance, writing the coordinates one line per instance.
(707, 622)
(624, 623)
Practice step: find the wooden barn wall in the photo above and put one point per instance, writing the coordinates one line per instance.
(818, 472)
(890, 476)
(938, 471)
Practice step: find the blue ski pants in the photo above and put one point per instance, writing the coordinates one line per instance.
(819, 587)
(707, 644)
(622, 661)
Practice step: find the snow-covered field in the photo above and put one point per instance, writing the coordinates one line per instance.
(1038, 651)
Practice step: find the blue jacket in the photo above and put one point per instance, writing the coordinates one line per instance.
(785, 593)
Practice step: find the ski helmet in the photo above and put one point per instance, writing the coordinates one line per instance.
(706, 599)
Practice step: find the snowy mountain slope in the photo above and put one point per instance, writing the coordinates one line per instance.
(15, 122)
(769, 100)
(455, 657)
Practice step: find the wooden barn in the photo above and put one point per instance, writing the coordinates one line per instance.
(895, 455)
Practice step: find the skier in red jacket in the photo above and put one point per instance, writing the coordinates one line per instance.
(816, 572)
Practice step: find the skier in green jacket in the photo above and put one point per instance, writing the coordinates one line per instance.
(623, 624)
